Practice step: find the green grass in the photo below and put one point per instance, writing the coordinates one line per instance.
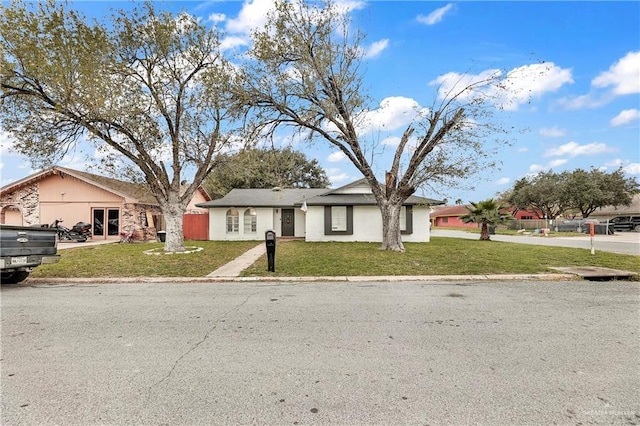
(442, 256)
(128, 260)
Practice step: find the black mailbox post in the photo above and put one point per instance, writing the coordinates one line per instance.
(270, 241)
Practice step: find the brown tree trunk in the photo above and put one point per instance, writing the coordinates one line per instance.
(484, 232)
(391, 237)
(173, 213)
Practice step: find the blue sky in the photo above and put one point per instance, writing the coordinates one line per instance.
(584, 113)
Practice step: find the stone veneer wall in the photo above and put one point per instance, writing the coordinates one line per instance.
(132, 220)
(27, 199)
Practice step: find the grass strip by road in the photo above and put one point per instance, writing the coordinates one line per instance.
(442, 256)
(128, 260)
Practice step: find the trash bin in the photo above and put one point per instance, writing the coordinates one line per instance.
(492, 230)
(162, 236)
(270, 242)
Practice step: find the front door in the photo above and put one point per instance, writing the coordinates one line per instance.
(105, 222)
(288, 228)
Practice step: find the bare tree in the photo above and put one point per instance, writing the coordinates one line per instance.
(305, 71)
(151, 88)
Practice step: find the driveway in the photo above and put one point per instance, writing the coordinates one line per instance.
(491, 353)
(621, 242)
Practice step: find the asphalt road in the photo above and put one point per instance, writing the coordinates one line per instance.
(621, 242)
(492, 353)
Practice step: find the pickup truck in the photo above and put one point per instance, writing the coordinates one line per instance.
(23, 248)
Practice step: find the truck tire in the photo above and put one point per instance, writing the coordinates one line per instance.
(636, 228)
(13, 277)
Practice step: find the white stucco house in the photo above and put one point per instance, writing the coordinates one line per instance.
(348, 213)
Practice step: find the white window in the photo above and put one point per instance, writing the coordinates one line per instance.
(338, 218)
(250, 221)
(403, 218)
(233, 221)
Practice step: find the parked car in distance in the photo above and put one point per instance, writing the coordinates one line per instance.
(625, 223)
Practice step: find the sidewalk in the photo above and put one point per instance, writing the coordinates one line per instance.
(240, 263)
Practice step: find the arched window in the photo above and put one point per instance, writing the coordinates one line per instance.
(233, 221)
(250, 221)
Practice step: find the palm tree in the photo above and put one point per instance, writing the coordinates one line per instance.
(487, 212)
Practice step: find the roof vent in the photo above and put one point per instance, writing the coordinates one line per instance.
(276, 189)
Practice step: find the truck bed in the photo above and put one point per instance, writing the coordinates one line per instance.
(23, 248)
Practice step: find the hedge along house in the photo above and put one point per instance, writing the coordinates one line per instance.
(348, 213)
(111, 206)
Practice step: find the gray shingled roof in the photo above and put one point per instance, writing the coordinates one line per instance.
(362, 200)
(294, 197)
(287, 197)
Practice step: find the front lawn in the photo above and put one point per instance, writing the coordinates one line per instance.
(442, 256)
(128, 260)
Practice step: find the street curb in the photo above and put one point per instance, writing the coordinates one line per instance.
(267, 280)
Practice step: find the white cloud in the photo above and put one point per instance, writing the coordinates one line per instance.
(556, 163)
(523, 149)
(231, 42)
(573, 149)
(346, 6)
(632, 169)
(627, 116)
(435, 16)
(395, 112)
(336, 176)
(217, 17)
(391, 141)
(6, 143)
(623, 78)
(376, 48)
(614, 163)
(624, 75)
(252, 15)
(552, 132)
(503, 181)
(522, 84)
(584, 101)
(536, 168)
(335, 157)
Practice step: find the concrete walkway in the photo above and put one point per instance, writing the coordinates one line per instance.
(240, 263)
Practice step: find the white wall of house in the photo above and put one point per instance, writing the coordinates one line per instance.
(276, 222)
(421, 226)
(367, 225)
(300, 226)
(218, 224)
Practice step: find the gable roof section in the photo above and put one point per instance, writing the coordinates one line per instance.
(330, 199)
(350, 196)
(449, 211)
(288, 197)
(131, 192)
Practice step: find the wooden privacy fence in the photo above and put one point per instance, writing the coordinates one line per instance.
(195, 226)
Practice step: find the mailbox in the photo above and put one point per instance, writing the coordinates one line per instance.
(270, 241)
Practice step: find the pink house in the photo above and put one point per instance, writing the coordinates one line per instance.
(110, 205)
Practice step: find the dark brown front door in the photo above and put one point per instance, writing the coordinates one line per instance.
(288, 228)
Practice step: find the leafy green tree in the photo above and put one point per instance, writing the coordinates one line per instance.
(578, 191)
(545, 192)
(588, 191)
(485, 213)
(265, 168)
(148, 87)
(305, 70)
